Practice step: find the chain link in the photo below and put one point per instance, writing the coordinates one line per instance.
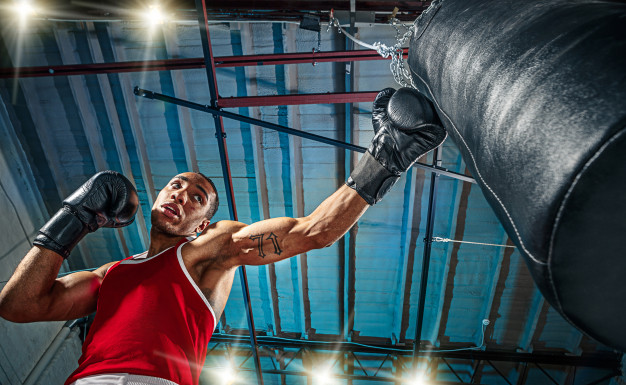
(400, 73)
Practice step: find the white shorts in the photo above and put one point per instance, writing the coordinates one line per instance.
(121, 379)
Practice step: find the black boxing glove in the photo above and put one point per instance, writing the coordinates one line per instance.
(108, 199)
(406, 128)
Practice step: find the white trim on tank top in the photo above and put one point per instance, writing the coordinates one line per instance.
(192, 282)
(141, 257)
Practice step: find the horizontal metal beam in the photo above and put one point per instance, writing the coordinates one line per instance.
(318, 138)
(191, 63)
(101, 68)
(297, 99)
(599, 360)
(300, 57)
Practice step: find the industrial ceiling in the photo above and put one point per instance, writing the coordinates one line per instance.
(430, 262)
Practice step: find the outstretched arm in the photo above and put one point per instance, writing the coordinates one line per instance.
(406, 127)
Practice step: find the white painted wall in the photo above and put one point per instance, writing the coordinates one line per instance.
(21, 214)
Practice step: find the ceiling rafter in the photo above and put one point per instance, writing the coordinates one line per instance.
(537, 311)
(297, 180)
(505, 269)
(457, 194)
(452, 261)
(88, 117)
(135, 121)
(118, 136)
(184, 115)
(409, 230)
(419, 180)
(12, 96)
(45, 133)
(498, 255)
(267, 273)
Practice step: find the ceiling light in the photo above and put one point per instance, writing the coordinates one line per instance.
(24, 8)
(228, 375)
(322, 377)
(417, 380)
(155, 15)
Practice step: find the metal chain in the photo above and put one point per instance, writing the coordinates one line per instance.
(440, 239)
(400, 73)
(393, 21)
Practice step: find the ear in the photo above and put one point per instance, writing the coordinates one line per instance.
(202, 226)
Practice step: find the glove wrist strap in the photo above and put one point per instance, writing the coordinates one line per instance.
(371, 180)
(62, 232)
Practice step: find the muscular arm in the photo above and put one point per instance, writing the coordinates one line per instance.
(276, 239)
(34, 293)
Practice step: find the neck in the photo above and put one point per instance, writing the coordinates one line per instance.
(160, 241)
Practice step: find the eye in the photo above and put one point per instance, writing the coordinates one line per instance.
(176, 185)
(198, 198)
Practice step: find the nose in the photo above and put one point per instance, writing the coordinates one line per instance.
(179, 196)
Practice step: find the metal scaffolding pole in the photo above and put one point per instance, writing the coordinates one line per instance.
(430, 222)
(296, 99)
(333, 142)
(190, 63)
(230, 195)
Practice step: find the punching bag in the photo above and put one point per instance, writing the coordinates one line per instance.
(534, 95)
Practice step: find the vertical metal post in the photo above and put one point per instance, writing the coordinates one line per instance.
(349, 263)
(221, 142)
(430, 222)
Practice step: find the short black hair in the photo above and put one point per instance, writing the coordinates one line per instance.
(216, 202)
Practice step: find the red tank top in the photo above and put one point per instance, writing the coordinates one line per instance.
(152, 320)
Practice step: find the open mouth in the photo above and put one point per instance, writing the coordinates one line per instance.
(170, 210)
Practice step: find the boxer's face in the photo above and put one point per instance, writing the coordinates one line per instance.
(181, 207)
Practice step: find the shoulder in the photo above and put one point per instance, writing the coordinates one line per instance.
(214, 242)
(218, 230)
(225, 226)
(102, 270)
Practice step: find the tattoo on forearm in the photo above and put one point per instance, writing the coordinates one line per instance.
(259, 242)
(272, 237)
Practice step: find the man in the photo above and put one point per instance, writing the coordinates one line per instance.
(157, 310)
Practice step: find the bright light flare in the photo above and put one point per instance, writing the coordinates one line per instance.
(155, 15)
(228, 375)
(24, 9)
(323, 377)
(418, 379)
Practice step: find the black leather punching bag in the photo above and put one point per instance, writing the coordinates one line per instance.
(534, 95)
